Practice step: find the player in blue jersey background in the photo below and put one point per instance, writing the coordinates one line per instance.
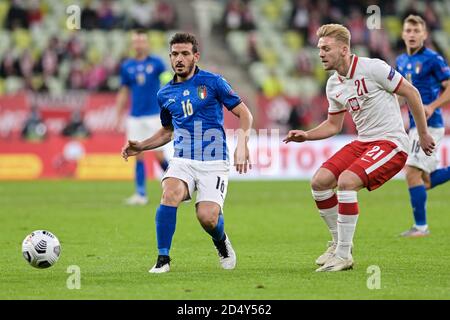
(430, 74)
(140, 79)
(192, 115)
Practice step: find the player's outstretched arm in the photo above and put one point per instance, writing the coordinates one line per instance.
(160, 138)
(242, 154)
(441, 101)
(328, 128)
(412, 95)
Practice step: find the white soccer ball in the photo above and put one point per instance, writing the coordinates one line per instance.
(41, 249)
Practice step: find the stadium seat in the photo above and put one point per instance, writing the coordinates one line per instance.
(446, 25)
(13, 85)
(40, 38)
(5, 41)
(258, 72)
(4, 7)
(2, 86)
(55, 86)
(393, 26)
(293, 40)
(157, 40)
(443, 40)
(238, 42)
(64, 69)
(22, 39)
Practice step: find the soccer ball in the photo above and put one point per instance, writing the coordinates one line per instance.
(41, 249)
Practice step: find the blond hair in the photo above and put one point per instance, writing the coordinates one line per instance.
(337, 31)
(415, 20)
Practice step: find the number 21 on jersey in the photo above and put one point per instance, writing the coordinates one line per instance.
(188, 110)
(361, 87)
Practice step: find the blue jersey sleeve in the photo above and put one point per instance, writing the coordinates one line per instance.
(164, 115)
(124, 79)
(441, 69)
(226, 95)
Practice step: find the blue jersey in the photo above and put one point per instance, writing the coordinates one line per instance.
(194, 109)
(142, 78)
(426, 70)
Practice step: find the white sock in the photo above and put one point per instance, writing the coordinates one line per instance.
(421, 228)
(346, 229)
(346, 222)
(328, 215)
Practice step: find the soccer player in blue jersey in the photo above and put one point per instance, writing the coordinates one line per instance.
(192, 115)
(140, 78)
(429, 73)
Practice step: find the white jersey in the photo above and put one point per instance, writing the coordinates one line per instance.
(367, 92)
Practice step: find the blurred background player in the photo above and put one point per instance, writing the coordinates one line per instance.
(140, 78)
(365, 88)
(192, 103)
(428, 72)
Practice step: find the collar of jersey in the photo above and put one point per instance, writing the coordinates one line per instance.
(351, 70)
(197, 70)
(421, 50)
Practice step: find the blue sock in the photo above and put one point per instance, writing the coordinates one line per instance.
(439, 176)
(166, 219)
(218, 232)
(418, 197)
(164, 164)
(140, 178)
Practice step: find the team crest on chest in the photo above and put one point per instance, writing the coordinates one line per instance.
(418, 67)
(149, 68)
(202, 92)
(354, 104)
(140, 78)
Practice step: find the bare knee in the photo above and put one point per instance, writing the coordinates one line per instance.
(349, 181)
(172, 196)
(322, 180)
(413, 176)
(208, 215)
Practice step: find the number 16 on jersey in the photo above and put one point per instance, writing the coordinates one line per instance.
(188, 110)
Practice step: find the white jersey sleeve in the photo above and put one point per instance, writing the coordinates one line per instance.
(334, 106)
(385, 75)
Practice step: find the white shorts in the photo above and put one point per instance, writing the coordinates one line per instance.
(208, 178)
(416, 157)
(141, 128)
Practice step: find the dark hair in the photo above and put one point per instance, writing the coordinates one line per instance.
(185, 38)
(140, 31)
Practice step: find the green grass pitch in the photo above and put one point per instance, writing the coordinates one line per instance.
(274, 227)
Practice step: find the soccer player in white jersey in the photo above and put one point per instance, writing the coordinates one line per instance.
(192, 116)
(365, 88)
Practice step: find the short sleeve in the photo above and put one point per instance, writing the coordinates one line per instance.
(164, 115)
(385, 75)
(440, 69)
(226, 94)
(334, 106)
(124, 78)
